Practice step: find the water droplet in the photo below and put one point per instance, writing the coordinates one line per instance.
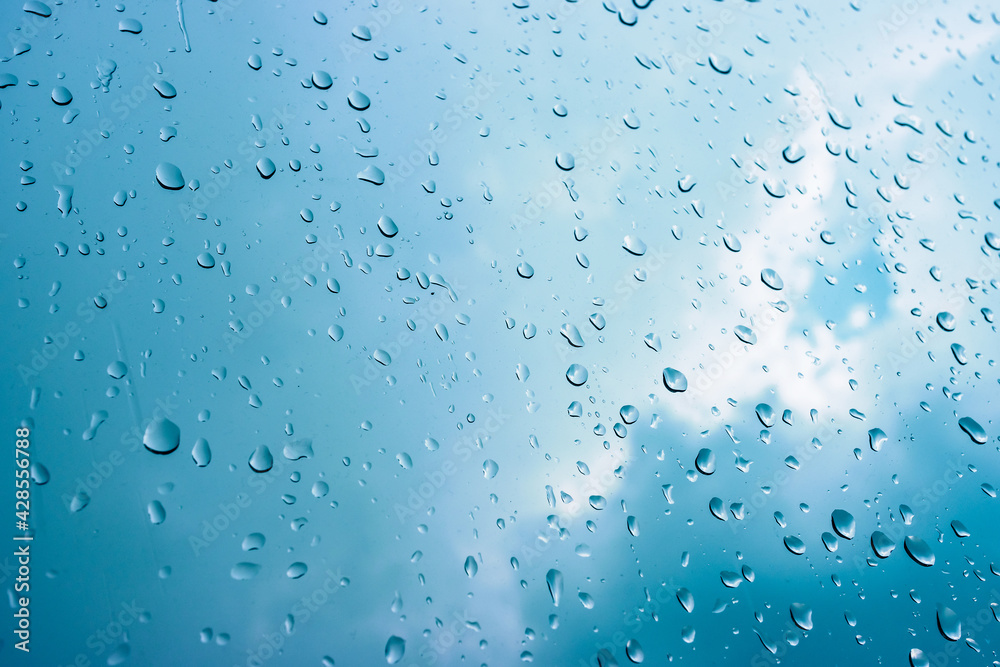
(471, 567)
(39, 474)
(686, 598)
(801, 615)
(321, 79)
(765, 414)
(918, 550)
(705, 461)
(205, 260)
(396, 646)
(157, 514)
(296, 570)
(877, 438)
(843, 524)
(634, 245)
(490, 468)
(745, 334)
(261, 460)
(565, 161)
(201, 453)
(674, 380)
(918, 658)
(38, 8)
(162, 436)
(165, 89)
(634, 652)
(358, 100)
(629, 414)
(130, 25)
(265, 167)
(732, 242)
(795, 545)
(720, 64)
(61, 95)
(946, 320)
(244, 571)
(973, 430)
(525, 270)
(949, 623)
(387, 226)
(771, 278)
(774, 187)
(576, 374)
(882, 544)
(372, 174)
(117, 369)
(718, 509)
(169, 176)
(960, 529)
(793, 153)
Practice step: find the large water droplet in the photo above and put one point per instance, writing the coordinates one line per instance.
(471, 567)
(165, 89)
(372, 174)
(162, 436)
(169, 176)
(576, 374)
(686, 598)
(387, 226)
(554, 580)
(572, 335)
(843, 524)
(801, 615)
(877, 438)
(949, 623)
(358, 100)
(130, 25)
(882, 544)
(634, 245)
(265, 167)
(918, 658)
(973, 430)
(705, 461)
(918, 550)
(765, 413)
(395, 647)
(771, 278)
(157, 514)
(321, 79)
(634, 652)
(261, 460)
(244, 571)
(795, 545)
(674, 380)
(61, 95)
(201, 453)
(565, 161)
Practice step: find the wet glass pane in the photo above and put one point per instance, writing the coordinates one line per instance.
(575, 333)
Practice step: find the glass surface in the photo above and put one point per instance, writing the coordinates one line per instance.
(484, 333)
